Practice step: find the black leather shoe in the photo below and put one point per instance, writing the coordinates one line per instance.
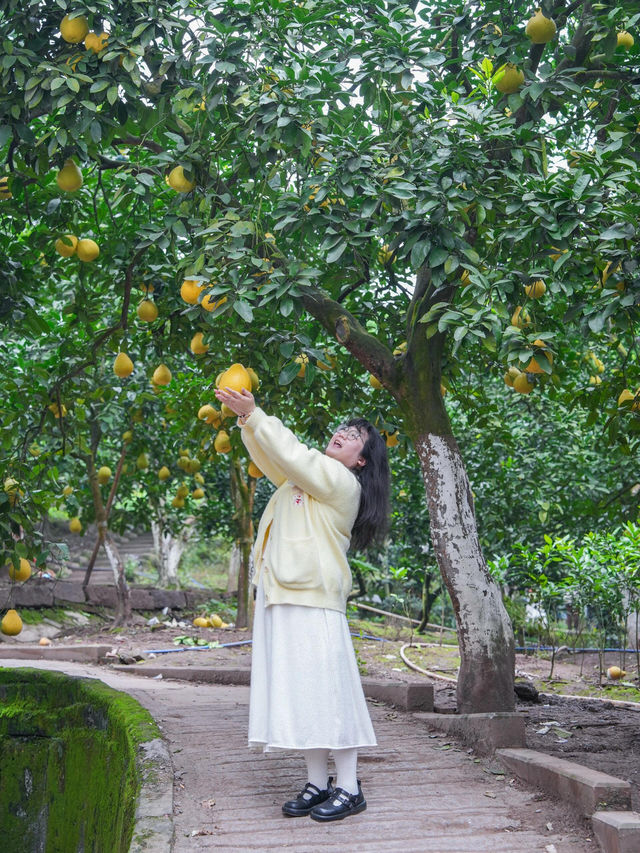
(340, 804)
(302, 805)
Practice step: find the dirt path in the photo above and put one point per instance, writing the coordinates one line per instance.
(425, 793)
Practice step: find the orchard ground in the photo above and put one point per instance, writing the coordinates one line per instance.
(590, 731)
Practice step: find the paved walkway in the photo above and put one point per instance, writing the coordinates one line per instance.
(425, 794)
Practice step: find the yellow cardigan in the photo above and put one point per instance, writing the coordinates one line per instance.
(305, 530)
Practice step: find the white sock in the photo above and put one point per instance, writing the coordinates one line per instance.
(317, 767)
(346, 761)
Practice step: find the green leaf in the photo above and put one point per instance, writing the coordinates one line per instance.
(241, 307)
(288, 373)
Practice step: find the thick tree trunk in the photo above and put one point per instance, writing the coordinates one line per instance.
(485, 682)
(413, 378)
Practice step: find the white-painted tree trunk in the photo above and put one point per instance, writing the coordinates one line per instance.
(123, 607)
(234, 568)
(485, 681)
(169, 550)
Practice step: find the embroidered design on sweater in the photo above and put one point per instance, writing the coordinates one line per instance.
(298, 498)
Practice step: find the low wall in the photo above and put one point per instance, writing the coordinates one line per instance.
(68, 752)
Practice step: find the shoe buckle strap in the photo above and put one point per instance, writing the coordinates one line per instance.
(344, 797)
(308, 790)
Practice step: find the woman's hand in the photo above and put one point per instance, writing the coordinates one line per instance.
(240, 403)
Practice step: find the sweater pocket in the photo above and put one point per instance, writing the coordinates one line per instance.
(295, 563)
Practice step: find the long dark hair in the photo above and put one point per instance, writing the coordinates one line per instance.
(373, 516)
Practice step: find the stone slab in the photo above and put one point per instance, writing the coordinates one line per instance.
(588, 790)
(409, 697)
(154, 831)
(617, 832)
(83, 654)
(405, 696)
(203, 674)
(485, 733)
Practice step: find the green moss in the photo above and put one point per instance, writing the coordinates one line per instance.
(69, 777)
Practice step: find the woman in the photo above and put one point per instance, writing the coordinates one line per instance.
(306, 693)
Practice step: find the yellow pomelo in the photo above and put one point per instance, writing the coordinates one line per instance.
(5, 192)
(374, 382)
(520, 317)
(147, 311)
(254, 471)
(625, 40)
(522, 385)
(21, 574)
(208, 414)
(68, 490)
(210, 302)
(190, 290)
(67, 245)
(236, 378)
(164, 473)
(177, 502)
(226, 412)
(303, 361)
(540, 29)
(595, 380)
(69, 178)
(57, 412)
(87, 249)
(198, 347)
(74, 30)
(75, 525)
(127, 435)
(161, 375)
(142, 461)
(533, 366)
(104, 475)
(178, 181)
(11, 624)
(392, 439)
(255, 380)
(197, 494)
(536, 289)
(122, 366)
(222, 442)
(510, 79)
(182, 490)
(199, 479)
(201, 622)
(215, 621)
(627, 396)
(95, 42)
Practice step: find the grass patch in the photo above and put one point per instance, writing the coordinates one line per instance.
(206, 561)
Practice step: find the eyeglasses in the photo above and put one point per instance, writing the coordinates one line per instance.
(350, 433)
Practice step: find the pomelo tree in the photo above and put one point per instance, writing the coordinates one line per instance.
(403, 175)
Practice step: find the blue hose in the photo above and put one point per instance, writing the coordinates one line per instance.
(228, 645)
(551, 648)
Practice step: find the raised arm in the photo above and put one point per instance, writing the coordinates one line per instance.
(315, 473)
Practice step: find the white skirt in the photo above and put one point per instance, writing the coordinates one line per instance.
(305, 685)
